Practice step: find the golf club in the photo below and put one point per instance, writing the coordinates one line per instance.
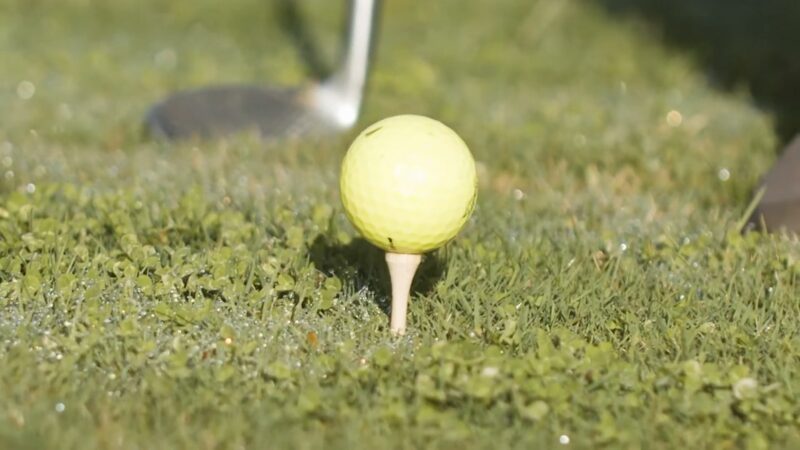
(322, 107)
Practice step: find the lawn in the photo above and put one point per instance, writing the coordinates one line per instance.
(213, 295)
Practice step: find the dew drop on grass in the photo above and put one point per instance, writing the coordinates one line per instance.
(30, 188)
(563, 439)
(25, 90)
(724, 174)
(60, 407)
(623, 246)
(674, 118)
(745, 388)
(490, 372)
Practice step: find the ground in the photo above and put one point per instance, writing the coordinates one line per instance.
(213, 294)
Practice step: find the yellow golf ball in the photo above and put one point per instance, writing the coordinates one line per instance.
(408, 184)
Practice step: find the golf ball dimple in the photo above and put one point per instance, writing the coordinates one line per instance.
(408, 184)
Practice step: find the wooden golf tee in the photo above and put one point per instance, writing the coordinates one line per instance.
(402, 267)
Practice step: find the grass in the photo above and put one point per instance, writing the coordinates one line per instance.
(213, 295)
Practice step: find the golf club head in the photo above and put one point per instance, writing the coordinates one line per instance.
(222, 110)
(323, 107)
(779, 207)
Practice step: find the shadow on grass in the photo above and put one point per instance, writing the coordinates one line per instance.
(361, 264)
(752, 43)
(293, 23)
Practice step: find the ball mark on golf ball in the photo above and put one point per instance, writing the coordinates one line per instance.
(415, 182)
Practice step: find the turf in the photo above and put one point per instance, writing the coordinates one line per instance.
(213, 295)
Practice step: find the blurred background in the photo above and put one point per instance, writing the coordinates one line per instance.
(744, 45)
(684, 93)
